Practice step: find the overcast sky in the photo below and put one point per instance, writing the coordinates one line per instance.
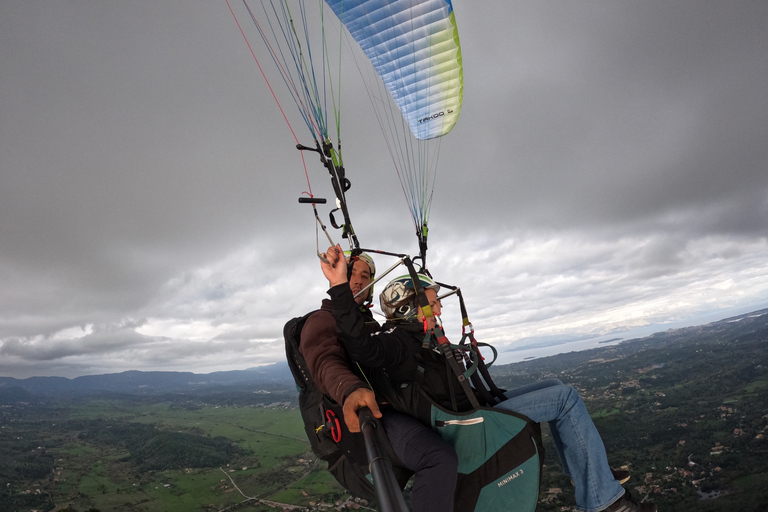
(608, 172)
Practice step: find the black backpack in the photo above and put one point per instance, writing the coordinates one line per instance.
(324, 425)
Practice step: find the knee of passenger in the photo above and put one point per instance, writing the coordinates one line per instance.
(446, 457)
(451, 459)
(572, 395)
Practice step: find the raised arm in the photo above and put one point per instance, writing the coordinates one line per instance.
(381, 349)
(335, 266)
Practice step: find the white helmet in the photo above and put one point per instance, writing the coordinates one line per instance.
(398, 300)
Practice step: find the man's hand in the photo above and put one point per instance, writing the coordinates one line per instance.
(359, 398)
(335, 269)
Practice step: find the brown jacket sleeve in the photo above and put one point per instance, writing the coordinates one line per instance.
(326, 358)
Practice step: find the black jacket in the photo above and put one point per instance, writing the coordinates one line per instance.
(413, 371)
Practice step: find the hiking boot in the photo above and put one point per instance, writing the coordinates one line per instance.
(628, 504)
(622, 475)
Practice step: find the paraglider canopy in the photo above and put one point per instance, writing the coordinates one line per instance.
(414, 47)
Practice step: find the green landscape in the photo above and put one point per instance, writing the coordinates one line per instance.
(119, 454)
(686, 411)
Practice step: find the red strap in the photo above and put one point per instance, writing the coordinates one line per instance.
(440, 336)
(335, 426)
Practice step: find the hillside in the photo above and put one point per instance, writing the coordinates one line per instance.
(139, 382)
(686, 410)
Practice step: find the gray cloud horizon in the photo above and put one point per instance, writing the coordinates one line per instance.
(607, 172)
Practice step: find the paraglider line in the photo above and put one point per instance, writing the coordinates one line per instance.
(269, 86)
(286, 76)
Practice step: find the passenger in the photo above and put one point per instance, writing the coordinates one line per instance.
(432, 460)
(397, 345)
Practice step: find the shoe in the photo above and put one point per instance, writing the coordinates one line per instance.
(622, 475)
(628, 504)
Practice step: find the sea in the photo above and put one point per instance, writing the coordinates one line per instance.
(523, 354)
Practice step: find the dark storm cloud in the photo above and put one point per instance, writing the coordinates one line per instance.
(96, 340)
(607, 171)
(623, 114)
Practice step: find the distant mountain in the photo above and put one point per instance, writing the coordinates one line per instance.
(729, 331)
(15, 394)
(138, 382)
(278, 375)
(732, 327)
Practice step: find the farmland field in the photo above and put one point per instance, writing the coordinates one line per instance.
(115, 454)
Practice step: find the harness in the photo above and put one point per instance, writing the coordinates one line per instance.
(328, 436)
(500, 452)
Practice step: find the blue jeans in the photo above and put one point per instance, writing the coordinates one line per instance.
(578, 443)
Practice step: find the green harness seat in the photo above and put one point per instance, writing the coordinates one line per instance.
(500, 458)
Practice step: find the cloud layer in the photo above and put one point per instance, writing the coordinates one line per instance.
(607, 172)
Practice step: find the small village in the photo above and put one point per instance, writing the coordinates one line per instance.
(698, 468)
